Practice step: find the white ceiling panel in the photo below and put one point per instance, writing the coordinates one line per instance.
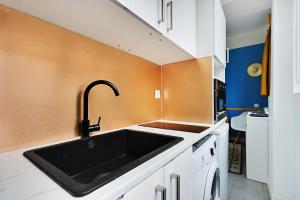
(246, 15)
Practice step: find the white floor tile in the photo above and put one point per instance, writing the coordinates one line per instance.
(243, 189)
(265, 188)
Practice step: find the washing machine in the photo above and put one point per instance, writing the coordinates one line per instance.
(222, 141)
(206, 179)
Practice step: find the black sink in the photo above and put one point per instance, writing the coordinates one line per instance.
(83, 165)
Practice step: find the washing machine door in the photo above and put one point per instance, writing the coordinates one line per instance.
(212, 186)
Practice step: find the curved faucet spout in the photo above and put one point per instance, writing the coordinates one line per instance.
(86, 128)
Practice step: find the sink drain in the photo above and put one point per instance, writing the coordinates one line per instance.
(91, 144)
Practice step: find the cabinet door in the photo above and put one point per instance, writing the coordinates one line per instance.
(150, 11)
(219, 32)
(181, 24)
(178, 177)
(257, 151)
(296, 43)
(150, 189)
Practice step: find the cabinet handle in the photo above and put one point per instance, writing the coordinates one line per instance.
(162, 190)
(161, 11)
(170, 20)
(212, 152)
(227, 55)
(177, 177)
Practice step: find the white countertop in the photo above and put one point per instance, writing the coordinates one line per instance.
(20, 179)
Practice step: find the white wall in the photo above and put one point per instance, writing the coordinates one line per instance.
(284, 108)
(247, 38)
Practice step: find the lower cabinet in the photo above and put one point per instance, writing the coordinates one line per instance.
(178, 177)
(148, 189)
(172, 182)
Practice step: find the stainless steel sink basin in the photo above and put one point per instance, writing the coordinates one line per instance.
(83, 165)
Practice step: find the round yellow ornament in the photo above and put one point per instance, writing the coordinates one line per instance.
(255, 69)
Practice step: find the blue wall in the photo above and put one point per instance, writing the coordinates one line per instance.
(243, 91)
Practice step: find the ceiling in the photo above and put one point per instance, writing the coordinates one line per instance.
(246, 15)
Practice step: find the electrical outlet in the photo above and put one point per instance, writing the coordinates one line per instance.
(157, 94)
(256, 105)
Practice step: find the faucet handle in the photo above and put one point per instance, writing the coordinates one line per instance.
(95, 127)
(99, 119)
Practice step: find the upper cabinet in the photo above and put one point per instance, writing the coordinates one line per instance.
(136, 32)
(175, 19)
(219, 32)
(211, 30)
(150, 11)
(181, 24)
(161, 31)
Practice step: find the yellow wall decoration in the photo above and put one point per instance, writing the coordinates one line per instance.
(255, 70)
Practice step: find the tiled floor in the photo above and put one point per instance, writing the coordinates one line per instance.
(241, 188)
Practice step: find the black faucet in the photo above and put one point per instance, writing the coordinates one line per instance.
(86, 128)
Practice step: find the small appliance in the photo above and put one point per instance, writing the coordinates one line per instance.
(219, 100)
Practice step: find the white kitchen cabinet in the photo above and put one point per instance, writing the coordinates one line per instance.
(257, 149)
(219, 70)
(108, 22)
(160, 49)
(219, 32)
(175, 19)
(181, 24)
(168, 182)
(148, 189)
(211, 30)
(296, 43)
(150, 11)
(178, 177)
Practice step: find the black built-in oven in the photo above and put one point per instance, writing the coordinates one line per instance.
(219, 100)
